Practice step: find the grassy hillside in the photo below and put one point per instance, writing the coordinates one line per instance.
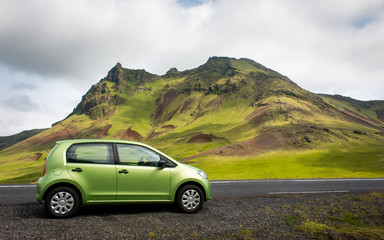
(8, 141)
(233, 118)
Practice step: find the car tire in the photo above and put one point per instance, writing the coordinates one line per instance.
(190, 198)
(62, 202)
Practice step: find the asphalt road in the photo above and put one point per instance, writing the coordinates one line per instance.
(25, 194)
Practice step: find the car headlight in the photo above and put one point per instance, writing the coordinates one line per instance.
(201, 173)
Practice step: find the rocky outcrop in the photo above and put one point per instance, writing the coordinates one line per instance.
(118, 74)
(172, 72)
(100, 100)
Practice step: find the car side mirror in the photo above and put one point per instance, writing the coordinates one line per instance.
(162, 163)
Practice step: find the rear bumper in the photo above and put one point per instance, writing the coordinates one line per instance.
(39, 194)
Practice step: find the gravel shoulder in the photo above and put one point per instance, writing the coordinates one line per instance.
(321, 216)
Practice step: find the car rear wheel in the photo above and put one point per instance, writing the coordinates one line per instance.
(62, 202)
(190, 199)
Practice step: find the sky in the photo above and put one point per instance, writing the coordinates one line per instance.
(52, 52)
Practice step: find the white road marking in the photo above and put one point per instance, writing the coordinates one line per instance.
(298, 180)
(309, 192)
(18, 186)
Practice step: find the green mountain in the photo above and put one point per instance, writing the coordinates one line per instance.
(234, 118)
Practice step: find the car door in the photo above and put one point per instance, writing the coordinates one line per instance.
(92, 166)
(139, 178)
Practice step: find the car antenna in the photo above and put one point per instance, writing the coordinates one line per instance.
(66, 130)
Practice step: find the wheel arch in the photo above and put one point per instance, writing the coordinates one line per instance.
(65, 184)
(191, 183)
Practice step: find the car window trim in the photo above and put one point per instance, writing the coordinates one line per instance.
(115, 154)
(170, 164)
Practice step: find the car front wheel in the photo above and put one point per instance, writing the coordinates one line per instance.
(62, 202)
(190, 199)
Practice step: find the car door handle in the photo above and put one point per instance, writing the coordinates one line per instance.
(77, 170)
(124, 171)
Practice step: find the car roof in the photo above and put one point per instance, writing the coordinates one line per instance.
(99, 140)
(75, 141)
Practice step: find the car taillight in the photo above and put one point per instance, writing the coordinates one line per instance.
(45, 165)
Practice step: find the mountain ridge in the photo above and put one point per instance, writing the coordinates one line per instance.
(8, 141)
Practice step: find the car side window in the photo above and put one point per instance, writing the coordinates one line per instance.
(137, 155)
(100, 153)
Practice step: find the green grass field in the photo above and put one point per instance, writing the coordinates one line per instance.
(353, 160)
(15, 169)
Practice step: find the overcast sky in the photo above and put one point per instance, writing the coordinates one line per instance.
(51, 52)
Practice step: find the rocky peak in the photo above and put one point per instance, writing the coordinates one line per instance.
(172, 72)
(118, 74)
(100, 100)
(217, 60)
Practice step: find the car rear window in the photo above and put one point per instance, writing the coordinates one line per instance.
(90, 153)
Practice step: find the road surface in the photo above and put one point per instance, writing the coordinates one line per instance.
(25, 194)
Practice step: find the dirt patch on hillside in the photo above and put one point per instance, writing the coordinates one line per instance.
(254, 146)
(202, 138)
(56, 136)
(163, 129)
(356, 118)
(168, 126)
(132, 135)
(100, 132)
(215, 103)
(35, 157)
(30, 158)
(167, 99)
(257, 117)
(43, 140)
(153, 135)
(186, 105)
(362, 117)
(172, 113)
(380, 115)
(94, 132)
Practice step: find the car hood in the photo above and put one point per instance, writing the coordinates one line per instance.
(189, 166)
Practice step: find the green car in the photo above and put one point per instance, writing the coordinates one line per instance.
(85, 172)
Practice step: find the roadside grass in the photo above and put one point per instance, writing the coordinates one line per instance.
(347, 218)
(357, 217)
(328, 216)
(313, 226)
(331, 161)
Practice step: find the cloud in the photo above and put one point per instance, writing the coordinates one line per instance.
(22, 86)
(324, 46)
(71, 38)
(20, 103)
